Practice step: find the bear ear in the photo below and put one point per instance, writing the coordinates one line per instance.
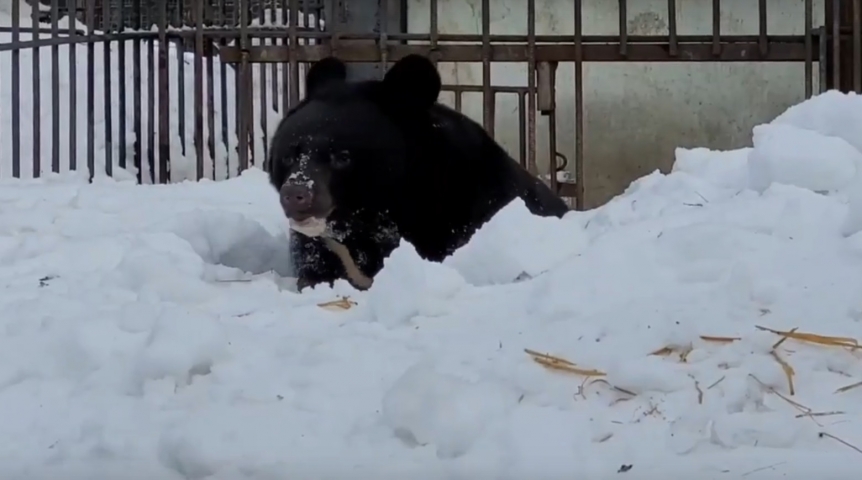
(413, 83)
(327, 70)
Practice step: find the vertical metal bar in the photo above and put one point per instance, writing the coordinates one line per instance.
(106, 46)
(624, 30)
(293, 84)
(181, 77)
(244, 83)
(121, 59)
(37, 96)
(762, 39)
(487, 96)
(222, 21)
(383, 37)
(73, 86)
(16, 89)
(91, 64)
(809, 49)
(138, 156)
(531, 86)
(151, 97)
(263, 104)
(210, 116)
(434, 27)
(273, 68)
(164, 97)
(836, 44)
(458, 100)
(552, 150)
(716, 27)
(579, 107)
(285, 66)
(671, 28)
(522, 129)
(822, 63)
(857, 46)
(199, 87)
(55, 87)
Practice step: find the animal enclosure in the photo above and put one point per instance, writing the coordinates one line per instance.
(182, 89)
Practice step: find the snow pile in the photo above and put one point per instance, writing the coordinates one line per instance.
(142, 328)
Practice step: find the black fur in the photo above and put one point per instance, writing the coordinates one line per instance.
(415, 168)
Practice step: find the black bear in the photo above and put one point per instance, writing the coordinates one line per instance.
(359, 165)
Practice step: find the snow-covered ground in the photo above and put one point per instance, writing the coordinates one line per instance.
(144, 334)
(154, 332)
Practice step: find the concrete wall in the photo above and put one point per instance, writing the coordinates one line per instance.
(635, 113)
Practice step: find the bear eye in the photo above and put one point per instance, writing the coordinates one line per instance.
(340, 159)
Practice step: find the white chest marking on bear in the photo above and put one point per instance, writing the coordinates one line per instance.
(310, 227)
(356, 277)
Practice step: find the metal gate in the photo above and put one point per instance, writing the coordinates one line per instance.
(224, 46)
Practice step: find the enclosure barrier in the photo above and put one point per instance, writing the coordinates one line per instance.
(282, 46)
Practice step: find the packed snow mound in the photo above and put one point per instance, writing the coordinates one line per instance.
(144, 326)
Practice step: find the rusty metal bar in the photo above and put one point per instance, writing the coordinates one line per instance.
(857, 46)
(292, 58)
(624, 30)
(716, 28)
(673, 47)
(739, 52)
(522, 128)
(274, 67)
(16, 90)
(121, 59)
(823, 68)
(809, 49)
(106, 86)
(199, 87)
(383, 40)
(434, 30)
(73, 93)
(37, 100)
(181, 80)
(285, 80)
(531, 87)
(762, 26)
(262, 73)
(579, 105)
(164, 97)
(55, 89)
(151, 104)
(488, 97)
(210, 72)
(836, 43)
(607, 40)
(547, 86)
(225, 138)
(91, 63)
(458, 101)
(138, 156)
(244, 83)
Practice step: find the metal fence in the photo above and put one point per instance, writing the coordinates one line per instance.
(246, 54)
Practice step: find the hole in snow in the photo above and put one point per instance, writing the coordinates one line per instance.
(233, 240)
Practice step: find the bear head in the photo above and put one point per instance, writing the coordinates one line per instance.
(343, 148)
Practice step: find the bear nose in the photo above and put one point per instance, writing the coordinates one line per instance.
(296, 198)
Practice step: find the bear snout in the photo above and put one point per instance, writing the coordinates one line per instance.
(297, 201)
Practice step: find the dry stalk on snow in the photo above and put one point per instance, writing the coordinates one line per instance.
(846, 342)
(561, 364)
(343, 303)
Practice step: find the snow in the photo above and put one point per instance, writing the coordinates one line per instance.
(154, 331)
